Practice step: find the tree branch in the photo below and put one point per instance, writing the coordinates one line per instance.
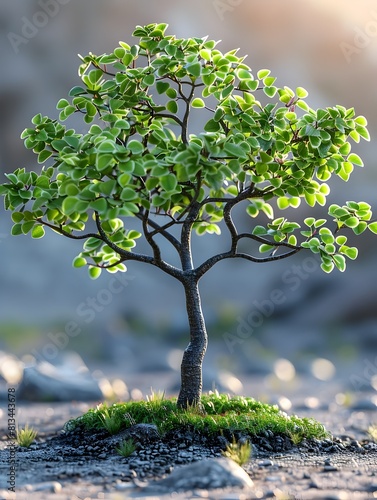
(185, 253)
(208, 264)
(126, 255)
(149, 238)
(162, 230)
(187, 111)
(267, 242)
(68, 235)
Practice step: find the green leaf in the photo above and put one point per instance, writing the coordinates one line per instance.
(270, 91)
(268, 210)
(265, 248)
(135, 147)
(341, 240)
(198, 103)
(79, 262)
(72, 190)
(283, 202)
(17, 217)
(94, 272)
(63, 103)
(205, 54)
(16, 230)
(162, 87)
(327, 268)
(355, 159)
(314, 244)
(90, 109)
(362, 132)
(252, 210)
(212, 126)
(320, 222)
(234, 150)
(350, 252)
(259, 230)
(309, 221)
(133, 235)
(328, 239)
(106, 147)
(77, 91)
(352, 222)
(301, 92)
(128, 194)
(373, 227)
(194, 69)
(310, 199)
(295, 201)
(361, 120)
(27, 226)
(169, 182)
(37, 232)
(103, 161)
(37, 119)
(172, 106)
(99, 205)
(360, 228)
(69, 205)
(340, 262)
(262, 73)
(303, 105)
(244, 74)
(292, 240)
(149, 80)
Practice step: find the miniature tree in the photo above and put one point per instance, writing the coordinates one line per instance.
(140, 160)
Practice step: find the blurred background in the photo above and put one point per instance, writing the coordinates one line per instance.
(48, 309)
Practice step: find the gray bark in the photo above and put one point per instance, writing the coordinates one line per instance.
(191, 367)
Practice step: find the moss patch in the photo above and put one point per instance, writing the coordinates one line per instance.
(222, 415)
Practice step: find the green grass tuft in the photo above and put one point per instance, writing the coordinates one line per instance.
(126, 448)
(110, 420)
(223, 414)
(238, 452)
(26, 436)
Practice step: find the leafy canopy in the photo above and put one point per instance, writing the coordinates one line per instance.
(139, 157)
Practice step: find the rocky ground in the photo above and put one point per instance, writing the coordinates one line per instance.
(77, 466)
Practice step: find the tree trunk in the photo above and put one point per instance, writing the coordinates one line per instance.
(191, 367)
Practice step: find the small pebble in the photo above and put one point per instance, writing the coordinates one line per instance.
(265, 463)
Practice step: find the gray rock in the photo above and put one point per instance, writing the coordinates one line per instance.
(52, 487)
(206, 474)
(364, 405)
(266, 463)
(143, 433)
(46, 382)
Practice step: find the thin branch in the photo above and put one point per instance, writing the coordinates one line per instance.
(68, 235)
(126, 255)
(167, 115)
(187, 100)
(267, 242)
(149, 238)
(208, 264)
(162, 230)
(216, 200)
(103, 266)
(231, 226)
(243, 195)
